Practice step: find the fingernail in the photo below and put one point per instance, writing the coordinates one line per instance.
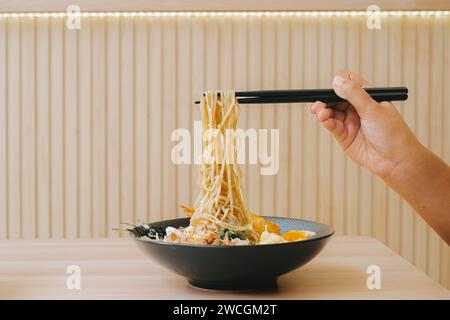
(338, 81)
(322, 114)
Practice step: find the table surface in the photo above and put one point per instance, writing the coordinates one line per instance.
(116, 269)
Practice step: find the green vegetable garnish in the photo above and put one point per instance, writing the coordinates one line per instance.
(243, 235)
(221, 233)
(232, 234)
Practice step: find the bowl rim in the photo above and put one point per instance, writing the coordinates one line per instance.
(181, 244)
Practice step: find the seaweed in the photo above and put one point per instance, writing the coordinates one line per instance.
(143, 230)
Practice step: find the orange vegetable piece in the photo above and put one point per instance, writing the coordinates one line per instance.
(259, 225)
(188, 211)
(295, 235)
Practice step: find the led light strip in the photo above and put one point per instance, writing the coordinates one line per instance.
(222, 14)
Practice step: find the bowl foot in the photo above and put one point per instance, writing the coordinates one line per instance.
(252, 284)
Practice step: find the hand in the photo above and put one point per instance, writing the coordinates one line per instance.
(372, 134)
(375, 136)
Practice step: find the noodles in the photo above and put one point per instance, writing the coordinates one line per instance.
(221, 203)
(220, 215)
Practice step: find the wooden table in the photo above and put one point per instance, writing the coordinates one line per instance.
(116, 269)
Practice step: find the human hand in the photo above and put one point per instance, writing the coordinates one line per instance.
(372, 134)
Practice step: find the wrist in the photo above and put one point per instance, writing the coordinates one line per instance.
(413, 159)
(423, 180)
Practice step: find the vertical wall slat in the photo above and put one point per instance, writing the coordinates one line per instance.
(282, 119)
(113, 124)
(28, 129)
(57, 127)
(85, 130)
(71, 131)
(184, 105)
(126, 120)
(155, 121)
(156, 69)
(99, 114)
(155, 130)
(269, 37)
(254, 113)
(42, 126)
(141, 117)
(3, 133)
(168, 86)
(212, 29)
(225, 53)
(297, 65)
(198, 78)
(14, 87)
(239, 74)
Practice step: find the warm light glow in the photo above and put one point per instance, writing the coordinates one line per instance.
(221, 14)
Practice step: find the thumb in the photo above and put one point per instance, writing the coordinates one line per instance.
(357, 96)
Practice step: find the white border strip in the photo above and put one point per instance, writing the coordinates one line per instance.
(222, 14)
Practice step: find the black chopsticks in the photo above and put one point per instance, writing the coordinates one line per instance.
(312, 95)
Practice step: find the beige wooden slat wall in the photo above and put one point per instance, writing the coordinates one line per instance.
(86, 118)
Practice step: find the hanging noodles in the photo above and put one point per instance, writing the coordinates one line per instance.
(220, 215)
(221, 203)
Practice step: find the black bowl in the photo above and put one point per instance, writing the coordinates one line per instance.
(237, 267)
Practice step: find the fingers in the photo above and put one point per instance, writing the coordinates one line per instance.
(336, 128)
(323, 111)
(352, 91)
(331, 119)
(316, 107)
(324, 114)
